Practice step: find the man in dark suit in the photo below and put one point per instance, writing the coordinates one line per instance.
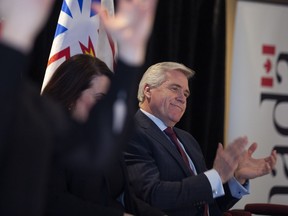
(166, 165)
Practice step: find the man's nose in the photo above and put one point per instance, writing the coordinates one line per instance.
(181, 97)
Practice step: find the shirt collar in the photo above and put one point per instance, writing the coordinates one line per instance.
(156, 120)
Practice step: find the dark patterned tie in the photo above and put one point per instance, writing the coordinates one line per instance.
(171, 134)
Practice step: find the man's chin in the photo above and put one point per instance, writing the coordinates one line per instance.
(176, 119)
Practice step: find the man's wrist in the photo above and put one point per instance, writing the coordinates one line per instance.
(132, 56)
(241, 180)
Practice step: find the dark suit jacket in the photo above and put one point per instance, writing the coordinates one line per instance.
(28, 128)
(160, 176)
(35, 133)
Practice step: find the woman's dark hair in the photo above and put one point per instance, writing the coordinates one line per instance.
(73, 76)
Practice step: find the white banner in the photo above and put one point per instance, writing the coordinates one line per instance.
(259, 92)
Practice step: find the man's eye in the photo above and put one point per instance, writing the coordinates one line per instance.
(174, 88)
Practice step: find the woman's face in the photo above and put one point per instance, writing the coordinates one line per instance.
(89, 97)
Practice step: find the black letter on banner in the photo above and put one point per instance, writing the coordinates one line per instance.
(280, 190)
(282, 150)
(281, 57)
(279, 99)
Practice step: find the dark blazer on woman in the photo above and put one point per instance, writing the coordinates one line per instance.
(83, 184)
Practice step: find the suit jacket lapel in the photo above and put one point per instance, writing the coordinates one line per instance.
(160, 138)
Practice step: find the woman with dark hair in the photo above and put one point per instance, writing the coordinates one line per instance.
(78, 83)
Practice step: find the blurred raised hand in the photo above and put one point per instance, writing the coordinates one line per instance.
(131, 27)
(23, 20)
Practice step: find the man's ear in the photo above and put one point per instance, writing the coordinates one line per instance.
(147, 92)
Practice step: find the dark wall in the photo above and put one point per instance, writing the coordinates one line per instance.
(191, 32)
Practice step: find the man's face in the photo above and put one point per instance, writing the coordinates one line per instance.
(168, 101)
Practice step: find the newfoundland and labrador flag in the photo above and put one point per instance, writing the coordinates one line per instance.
(79, 30)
